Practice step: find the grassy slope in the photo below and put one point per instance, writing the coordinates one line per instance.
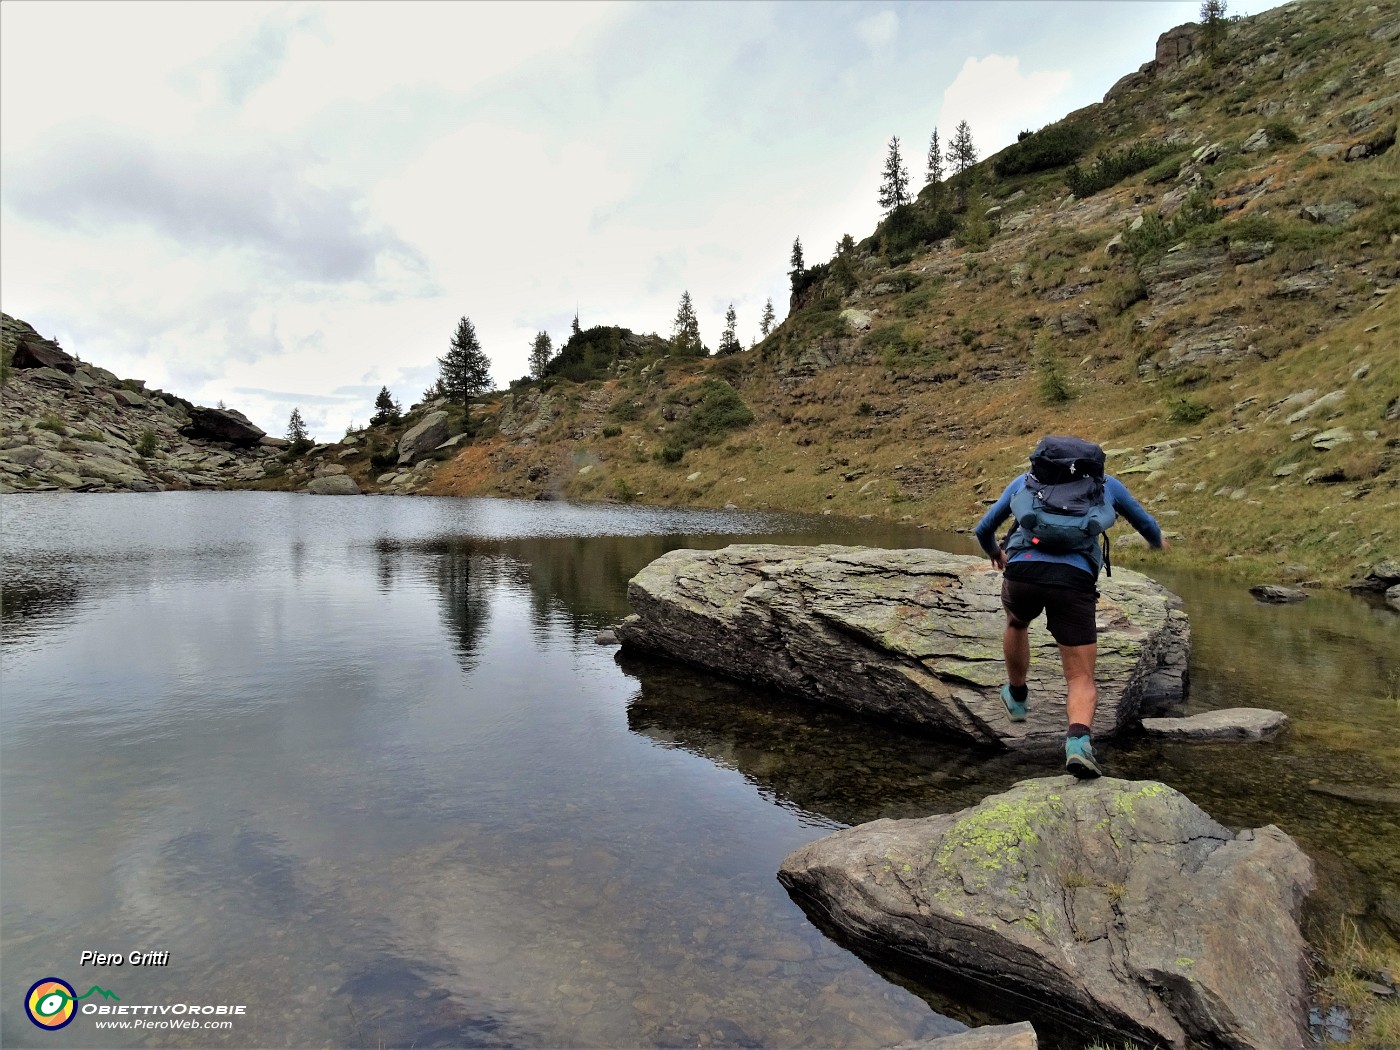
(928, 414)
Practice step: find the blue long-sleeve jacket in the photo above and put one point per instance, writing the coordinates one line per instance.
(1115, 492)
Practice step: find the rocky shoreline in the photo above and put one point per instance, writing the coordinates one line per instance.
(70, 426)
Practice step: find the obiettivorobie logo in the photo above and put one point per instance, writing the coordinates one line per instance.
(52, 1003)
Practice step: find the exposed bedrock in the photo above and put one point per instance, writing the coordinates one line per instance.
(909, 635)
(1117, 902)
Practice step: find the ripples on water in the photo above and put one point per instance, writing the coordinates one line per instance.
(360, 765)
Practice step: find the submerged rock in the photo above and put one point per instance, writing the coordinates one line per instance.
(910, 635)
(991, 1037)
(1117, 901)
(1235, 723)
(1276, 594)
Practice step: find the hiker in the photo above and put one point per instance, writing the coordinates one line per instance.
(1051, 560)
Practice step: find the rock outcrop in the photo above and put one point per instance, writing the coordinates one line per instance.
(910, 635)
(1119, 902)
(68, 425)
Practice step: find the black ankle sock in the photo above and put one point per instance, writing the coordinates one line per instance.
(1078, 729)
(1020, 692)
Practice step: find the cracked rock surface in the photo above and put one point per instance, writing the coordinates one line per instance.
(1120, 902)
(910, 635)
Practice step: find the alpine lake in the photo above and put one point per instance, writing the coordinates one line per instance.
(360, 766)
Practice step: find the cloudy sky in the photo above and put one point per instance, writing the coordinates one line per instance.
(280, 205)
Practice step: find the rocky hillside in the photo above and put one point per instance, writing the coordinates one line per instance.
(70, 425)
(1198, 272)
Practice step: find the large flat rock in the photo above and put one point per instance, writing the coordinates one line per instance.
(909, 635)
(1118, 902)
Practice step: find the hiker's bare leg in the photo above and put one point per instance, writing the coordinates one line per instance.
(1078, 662)
(1016, 647)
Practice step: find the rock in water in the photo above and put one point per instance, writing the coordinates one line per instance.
(1117, 901)
(911, 635)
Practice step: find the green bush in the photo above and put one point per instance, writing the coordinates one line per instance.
(611, 431)
(715, 409)
(1186, 410)
(1051, 381)
(911, 227)
(626, 408)
(53, 423)
(383, 460)
(1051, 147)
(146, 443)
(1280, 133)
(1156, 235)
(1113, 167)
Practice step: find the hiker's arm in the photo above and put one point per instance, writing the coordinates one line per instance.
(1131, 509)
(986, 531)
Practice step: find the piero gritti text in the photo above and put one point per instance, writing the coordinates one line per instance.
(137, 958)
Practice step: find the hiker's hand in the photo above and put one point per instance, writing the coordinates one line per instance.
(1166, 544)
(999, 559)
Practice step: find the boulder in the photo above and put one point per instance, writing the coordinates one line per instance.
(990, 1037)
(43, 353)
(908, 635)
(1382, 576)
(1392, 596)
(1275, 594)
(423, 438)
(1118, 902)
(223, 424)
(1235, 723)
(333, 485)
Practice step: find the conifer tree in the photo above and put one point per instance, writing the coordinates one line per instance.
(842, 265)
(894, 188)
(729, 341)
(962, 155)
(464, 371)
(1213, 22)
(765, 323)
(935, 161)
(541, 350)
(296, 428)
(685, 334)
(576, 328)
(387, 411)
(796, 261)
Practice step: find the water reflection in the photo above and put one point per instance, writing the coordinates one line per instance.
(361, 765)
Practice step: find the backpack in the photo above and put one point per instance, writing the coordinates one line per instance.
(1061, 507)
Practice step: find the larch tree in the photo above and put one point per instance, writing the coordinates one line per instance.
(729, 341)
(934, 176)
(894, 187)
(464, 371)
(296, 428)
(766, 322)
(387, 411)
(541, 350)
(685, 332)
(962, 155)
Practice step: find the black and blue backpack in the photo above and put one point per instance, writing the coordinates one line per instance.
(1061, 508)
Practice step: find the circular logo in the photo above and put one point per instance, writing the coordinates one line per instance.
(50, 1004)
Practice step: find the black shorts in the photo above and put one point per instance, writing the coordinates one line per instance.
(1069, 611)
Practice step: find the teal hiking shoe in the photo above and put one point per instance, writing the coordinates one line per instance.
(1079, 758)
(1015, 710)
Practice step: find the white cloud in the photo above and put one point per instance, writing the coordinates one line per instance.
(291, 204)
(997, 100)
(878, 30)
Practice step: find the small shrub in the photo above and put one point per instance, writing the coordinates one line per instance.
(611, 431)
(1051, 381)
(1186, 410)
(865, 408)
(670, 453)
(53, 423)
(626, 409)
(1113, 167)
(622, 492)
(1051, 147)
(146, 443)
(1280, 133)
